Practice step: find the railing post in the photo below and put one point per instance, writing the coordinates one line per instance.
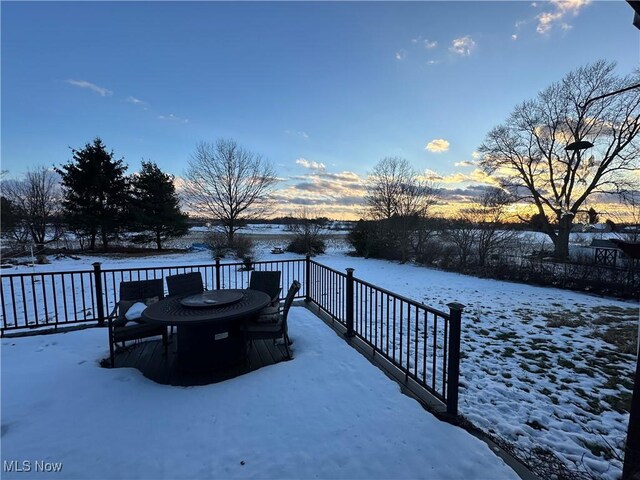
(97, 274)
(453, 363)
(349, 300)
(217, 273)
(631, 467)
(307, 279)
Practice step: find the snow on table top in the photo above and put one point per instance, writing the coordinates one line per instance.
(328, 413)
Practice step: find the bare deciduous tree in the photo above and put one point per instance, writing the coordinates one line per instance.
(489, 216)
(307, 228)
(394, 188)
(400, 197)
(528, 151)
(463, 234)
(229, 184)
(35, 200)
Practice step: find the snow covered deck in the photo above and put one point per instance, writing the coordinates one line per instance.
(328, 413)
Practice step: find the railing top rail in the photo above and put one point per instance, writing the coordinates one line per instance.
(329, 268)
(37, 274)
(202, 265)
(429, 309)
(157, 267)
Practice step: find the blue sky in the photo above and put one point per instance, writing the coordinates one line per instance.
(322, 90)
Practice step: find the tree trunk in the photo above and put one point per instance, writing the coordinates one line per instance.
(105, 240)
(92, 245)
(158, 241)
(561, 242)
(230, 233)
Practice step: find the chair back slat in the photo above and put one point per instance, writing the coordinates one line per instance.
(288, 301)
(141, 289)
(267, 282)
(185, 284)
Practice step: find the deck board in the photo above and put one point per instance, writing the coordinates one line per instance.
(150, 359)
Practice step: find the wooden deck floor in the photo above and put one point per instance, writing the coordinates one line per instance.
(150, 359)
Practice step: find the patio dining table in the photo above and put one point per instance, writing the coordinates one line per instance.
(208, 325)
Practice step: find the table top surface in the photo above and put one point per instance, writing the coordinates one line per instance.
(212, 298)
(171, 311)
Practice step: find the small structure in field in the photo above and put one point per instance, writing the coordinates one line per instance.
(614, 252)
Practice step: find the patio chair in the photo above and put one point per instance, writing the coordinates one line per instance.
(185, 284)
(121, 329)
(267, 282)
(274, 326)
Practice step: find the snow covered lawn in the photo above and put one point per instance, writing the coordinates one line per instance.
(327, 414)
(535, 368)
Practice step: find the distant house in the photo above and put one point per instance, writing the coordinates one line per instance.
(591, 228)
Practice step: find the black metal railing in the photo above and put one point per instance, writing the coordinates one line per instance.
(55, 299)
(423, 342)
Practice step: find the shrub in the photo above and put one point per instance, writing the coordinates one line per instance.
(300, 245)
(243, 246)
(218, 243)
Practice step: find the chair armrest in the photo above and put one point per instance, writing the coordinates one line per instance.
(276, 297)
(112, 317)
(119, 321)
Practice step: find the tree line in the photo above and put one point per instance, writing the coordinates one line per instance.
(93, 199)
(573, 143)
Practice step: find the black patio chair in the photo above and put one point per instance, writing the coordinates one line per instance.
(122, 330)
(185, 284)
(267, 282)
(272, 326)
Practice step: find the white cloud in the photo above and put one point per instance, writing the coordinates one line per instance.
(463, 46)
(476, 176)
(310, 164)
(433, 62)
(476, 155)
(296, 133)
(431, 175)
(425, 41)
(560, 10)
(514, 37)
(172, 118)
(401, 55)
(103, 92)
(465, 163)
(136, 101)
(437, 145)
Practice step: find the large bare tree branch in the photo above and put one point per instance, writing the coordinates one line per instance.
(527, 153)
(229, 184)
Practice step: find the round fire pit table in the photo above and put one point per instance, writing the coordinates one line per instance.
(208, 325)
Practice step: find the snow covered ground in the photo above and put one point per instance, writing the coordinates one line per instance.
(326, 414)
(535, 368)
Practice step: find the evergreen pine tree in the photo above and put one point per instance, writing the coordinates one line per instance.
(155, 208)
(95, 192)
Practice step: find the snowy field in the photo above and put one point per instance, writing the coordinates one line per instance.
(328, 413)
(535, 369)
